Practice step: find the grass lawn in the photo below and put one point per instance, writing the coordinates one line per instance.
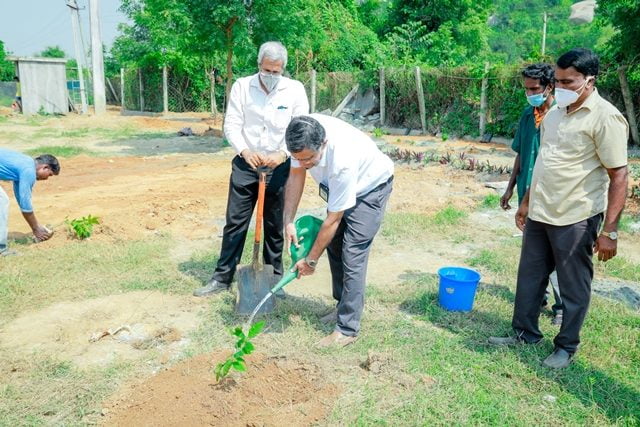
(438, 368)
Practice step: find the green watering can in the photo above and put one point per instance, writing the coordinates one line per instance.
(307, 228)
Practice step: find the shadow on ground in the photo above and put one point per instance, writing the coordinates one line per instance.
(142, 145)
(587, 383)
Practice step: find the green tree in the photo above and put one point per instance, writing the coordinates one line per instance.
(52, 52)
(624, 16)
(7, 69)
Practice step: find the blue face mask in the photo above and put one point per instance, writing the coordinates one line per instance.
(536, 100)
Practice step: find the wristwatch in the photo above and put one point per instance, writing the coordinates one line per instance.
(613, 235)
(311, 262)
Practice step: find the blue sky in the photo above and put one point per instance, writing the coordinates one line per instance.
(28, 26)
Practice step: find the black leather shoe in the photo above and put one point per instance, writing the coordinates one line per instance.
(213, 287)
(559, 359)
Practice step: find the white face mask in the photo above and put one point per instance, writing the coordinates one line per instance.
(270, 81)
(566, 97)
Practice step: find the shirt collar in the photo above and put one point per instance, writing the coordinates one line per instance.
(590, 102)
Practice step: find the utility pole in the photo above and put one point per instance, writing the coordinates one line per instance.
(75, 25)
(544, 34)
(99, 98)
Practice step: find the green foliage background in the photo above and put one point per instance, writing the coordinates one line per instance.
(449, 39)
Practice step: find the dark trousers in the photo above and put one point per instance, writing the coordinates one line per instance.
(568, 249)
(243, 194)
(348, 255)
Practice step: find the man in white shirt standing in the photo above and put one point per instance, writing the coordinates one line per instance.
(355, 179)
(259, 110)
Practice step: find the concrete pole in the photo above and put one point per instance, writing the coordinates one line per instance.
(75, 26)
(544, 34)
(165, 90)
(122, 107)
(483, 101)
(382, 97)
(214, 107)
(140, 90)
(99, 95)
(421, 106)
(313, 90)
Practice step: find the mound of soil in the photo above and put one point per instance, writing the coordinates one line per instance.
(273, 391)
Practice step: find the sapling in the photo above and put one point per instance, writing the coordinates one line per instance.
(243, 347)
(83, 227)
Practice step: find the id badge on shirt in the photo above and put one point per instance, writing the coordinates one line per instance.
(324, 192)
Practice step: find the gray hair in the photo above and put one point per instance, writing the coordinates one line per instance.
(275, 51)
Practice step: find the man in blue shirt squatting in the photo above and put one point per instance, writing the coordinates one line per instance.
(538, 88)
(23, 171)
(355, 179)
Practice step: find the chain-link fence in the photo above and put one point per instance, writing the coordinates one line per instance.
(144, 91)
(452, 96)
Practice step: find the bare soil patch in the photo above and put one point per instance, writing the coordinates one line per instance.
(274, 391)
(71, 330)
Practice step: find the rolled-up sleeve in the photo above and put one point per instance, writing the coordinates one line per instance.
(611, 141)
(234, 119)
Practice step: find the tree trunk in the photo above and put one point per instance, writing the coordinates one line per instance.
(628, 104)
(229, 43)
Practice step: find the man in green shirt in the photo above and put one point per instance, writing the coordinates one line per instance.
(538, 88)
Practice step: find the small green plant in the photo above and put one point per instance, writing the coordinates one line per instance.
(378, 133)
(490, 201)
(242, 348)
(444, 135)
(634, 170)
(82, 228)
(449, 216)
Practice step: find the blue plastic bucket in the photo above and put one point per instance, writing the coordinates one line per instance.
(457, 288)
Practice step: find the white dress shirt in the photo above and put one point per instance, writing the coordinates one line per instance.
(351, 164)
(256, 120)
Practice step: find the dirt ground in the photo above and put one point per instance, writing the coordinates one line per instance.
(178, 186)
(274, 391)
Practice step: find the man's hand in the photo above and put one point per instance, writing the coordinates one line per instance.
(606, 248)
(253, 158)
(504, 200)
(521, 216)
(272, 160)
(42, 233)
(291, 236)
(303, 268)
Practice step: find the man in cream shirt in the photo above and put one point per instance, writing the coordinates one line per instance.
(355, 179)
(580, 178)
(259, 110)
